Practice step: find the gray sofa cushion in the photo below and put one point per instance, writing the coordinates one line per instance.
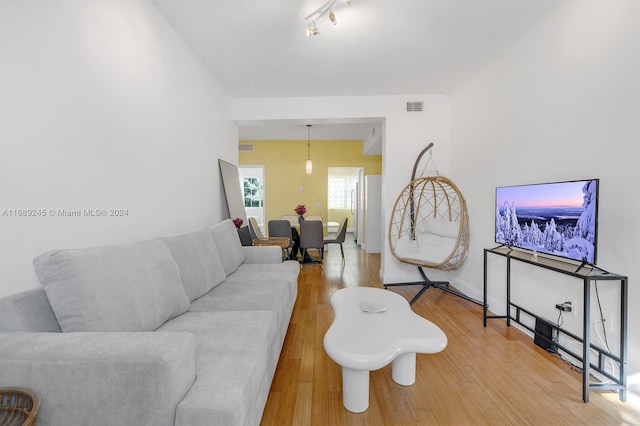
(266, 273)
(235, 362)
(198, 260)
(128, 287)
(227, 240)
(277, 296)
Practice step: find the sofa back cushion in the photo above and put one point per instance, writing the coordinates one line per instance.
(225, 236)
(198, 261)
(128, 287)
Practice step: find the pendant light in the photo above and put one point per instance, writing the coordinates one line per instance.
(308, 163)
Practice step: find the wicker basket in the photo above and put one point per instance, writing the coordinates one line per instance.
(18, 407)
(282, 242)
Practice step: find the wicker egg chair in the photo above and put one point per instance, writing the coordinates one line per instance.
(426, 204)
(429, 228)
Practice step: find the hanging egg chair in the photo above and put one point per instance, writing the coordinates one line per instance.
(429, 228)
(430, 224)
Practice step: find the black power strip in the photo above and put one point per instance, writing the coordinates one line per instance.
(564, 307)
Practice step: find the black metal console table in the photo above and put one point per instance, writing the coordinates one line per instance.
(587, 274)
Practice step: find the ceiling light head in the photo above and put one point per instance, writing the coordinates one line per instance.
(332, 17)
(323, 10)
(312, 30)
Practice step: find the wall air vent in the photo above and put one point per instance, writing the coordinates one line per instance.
(245, 147)
(415, 106)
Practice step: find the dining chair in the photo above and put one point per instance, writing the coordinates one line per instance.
(293, 220)
(254, 228)
(339, 237)
(281, 228)
(311, 237)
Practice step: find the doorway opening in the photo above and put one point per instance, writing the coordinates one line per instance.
(252, 184)
(344, 197)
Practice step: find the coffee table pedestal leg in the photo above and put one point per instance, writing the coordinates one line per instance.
(403, 369)
(355, 389)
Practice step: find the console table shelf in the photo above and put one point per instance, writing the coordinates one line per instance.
(588, 274)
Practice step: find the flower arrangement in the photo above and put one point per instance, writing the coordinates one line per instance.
(238, 222)
(300, 209)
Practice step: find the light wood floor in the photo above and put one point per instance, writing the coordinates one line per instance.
(485, 376)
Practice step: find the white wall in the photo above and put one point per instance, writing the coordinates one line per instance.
(561, 102)
(372, 210)
(102, 106)
(404, 135)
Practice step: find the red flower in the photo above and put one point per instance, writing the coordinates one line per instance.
(300, 209)
(237, 222)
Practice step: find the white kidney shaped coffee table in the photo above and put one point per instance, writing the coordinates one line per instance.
(373, 327)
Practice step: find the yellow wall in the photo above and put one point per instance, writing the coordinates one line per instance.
(285, 172)
(336, 215)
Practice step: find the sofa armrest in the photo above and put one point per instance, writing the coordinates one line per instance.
(101, 378)
(262, 254)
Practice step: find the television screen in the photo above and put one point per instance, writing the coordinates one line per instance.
(559, 218)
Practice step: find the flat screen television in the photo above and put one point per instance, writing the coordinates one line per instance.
(559, 218)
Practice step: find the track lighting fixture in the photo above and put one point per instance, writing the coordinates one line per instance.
(332, 17)
(319, 13)
(312, 30)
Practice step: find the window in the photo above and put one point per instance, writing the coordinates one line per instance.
(339, 189)
(253, 192)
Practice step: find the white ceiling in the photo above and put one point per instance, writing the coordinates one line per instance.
(259, 48)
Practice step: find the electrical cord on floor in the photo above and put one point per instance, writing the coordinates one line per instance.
(579, 370)
(567, 361)
(602, 337)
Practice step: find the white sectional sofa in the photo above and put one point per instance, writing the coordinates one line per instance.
(179, 330)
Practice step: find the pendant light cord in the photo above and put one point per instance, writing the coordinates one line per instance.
(308, 141)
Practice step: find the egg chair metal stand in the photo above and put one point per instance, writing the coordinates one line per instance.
(429, 228)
